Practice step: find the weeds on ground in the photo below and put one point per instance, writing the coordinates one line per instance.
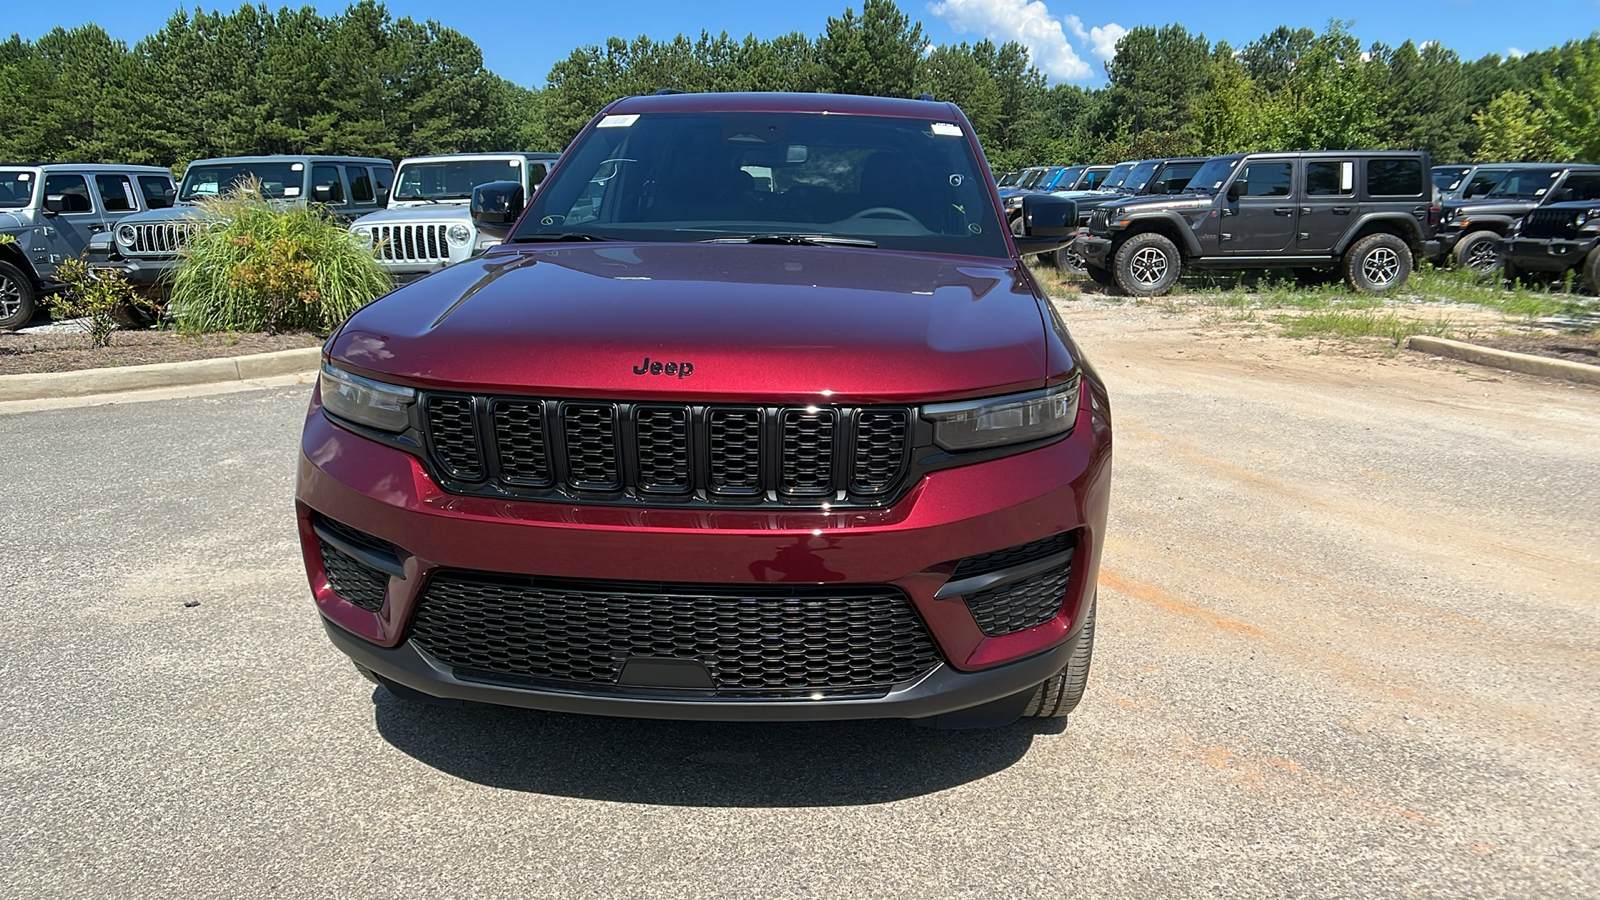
(1354, 324)
(252, 266)
(104, 298)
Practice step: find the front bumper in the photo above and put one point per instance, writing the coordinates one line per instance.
(138, 272)
(913, 546)
(1095, 250)
(1432, 250)
(1546, 254)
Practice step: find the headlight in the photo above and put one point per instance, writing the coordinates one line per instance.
(1588, 221)
(459, 235)
(363, 233)
(997, 421)
(126, 235)
(485, 243)
(386, 407)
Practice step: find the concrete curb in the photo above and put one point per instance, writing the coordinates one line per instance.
(1505, 359)
(51, 385)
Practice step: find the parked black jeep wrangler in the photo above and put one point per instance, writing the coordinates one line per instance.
(1365, 213)
(1556, 238)
(1472, 232)
(1149, 177)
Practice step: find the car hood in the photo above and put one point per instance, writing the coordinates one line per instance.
(1490, 207)
(170, 214)
(755, 322)
(443, 212)
(1164, 202)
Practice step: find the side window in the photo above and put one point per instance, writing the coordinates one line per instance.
(536, 173)
(1582, 186)
(1331, 179)
(383, 176)
(1267, 179)
(158, 191)
(325, 184)
(116, 193)
(360, 183)
(1395, 178)
(72, 191)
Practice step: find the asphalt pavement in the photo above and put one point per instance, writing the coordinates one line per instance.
(1347, 647)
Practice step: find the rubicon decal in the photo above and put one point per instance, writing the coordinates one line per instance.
(657, 367)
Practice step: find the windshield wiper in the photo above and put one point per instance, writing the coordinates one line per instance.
(795, 240)
(555, 236)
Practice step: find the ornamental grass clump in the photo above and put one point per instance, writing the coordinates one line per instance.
(253, 265)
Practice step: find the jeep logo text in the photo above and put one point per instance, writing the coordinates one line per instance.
(675, 369)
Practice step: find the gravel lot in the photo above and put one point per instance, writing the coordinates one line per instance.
(1348, 647)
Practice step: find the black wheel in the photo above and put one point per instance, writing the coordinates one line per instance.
(1478, 251)
(1591, 271)
(1061, 694)
(1377, 263)
(1068, 260)
(1100, 276)
(1148, 265)
(16, 298)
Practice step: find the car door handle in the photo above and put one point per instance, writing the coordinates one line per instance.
(96, 229)
(1341, 210)
(1283, 210)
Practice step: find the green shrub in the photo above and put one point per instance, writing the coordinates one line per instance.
(253, 266)
(105, 298)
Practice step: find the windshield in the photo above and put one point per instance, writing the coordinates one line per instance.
(1118, 173)
(1009, 179)
(911, 184)
(1211, 176)
(1030, 178)
(1524, 184)
(1139, 176)
(1067, 178)
(452, 180)
(1445, 178)
(16, 189)
(278, 180)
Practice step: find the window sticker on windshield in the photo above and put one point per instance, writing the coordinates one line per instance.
(946, 129)
(297, 167)
(291, 191)
(514, 163)
(25, 176)
(618, 121)
(1540, 192)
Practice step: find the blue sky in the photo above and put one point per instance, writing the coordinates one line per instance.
(521, 40)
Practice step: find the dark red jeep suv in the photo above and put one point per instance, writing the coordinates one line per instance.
(756, 414)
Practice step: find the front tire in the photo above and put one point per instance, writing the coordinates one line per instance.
(1062, 693)
(17, 298)
(1377, 263)
(1068, 261)
(1148, 265)
(1478, 252)
(1103, 277)
(1591, 270)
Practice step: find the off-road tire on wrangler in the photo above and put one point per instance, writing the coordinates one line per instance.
(1591, 270)
(1100, 276)
(1148, 265)
(1478, 251)
(1061, 694)
(1377, 263)
(1068, 260)
(16, 297)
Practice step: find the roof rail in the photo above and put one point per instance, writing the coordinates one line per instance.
(663, 92)
(925, 96)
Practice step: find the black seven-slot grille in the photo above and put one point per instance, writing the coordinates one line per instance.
(532, 448)
(1551, 223)
(756, 641)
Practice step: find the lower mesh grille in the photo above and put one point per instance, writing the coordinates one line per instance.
(755, 641)
(1016, 605)
(353, 580)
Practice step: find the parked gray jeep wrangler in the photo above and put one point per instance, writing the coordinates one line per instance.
(53, 211)
(144, 247)
(428, 224)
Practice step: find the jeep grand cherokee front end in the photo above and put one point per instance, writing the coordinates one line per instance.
(756, 416)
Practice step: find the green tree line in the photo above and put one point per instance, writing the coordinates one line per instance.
(362, 82)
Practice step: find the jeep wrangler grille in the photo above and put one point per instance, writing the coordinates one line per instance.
(160, 238)
(411, 243)
(1550, 223)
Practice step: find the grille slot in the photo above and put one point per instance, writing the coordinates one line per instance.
(591, 433)
(156, 238)
(1017, 605)
(807, 468)
(735, 438)
(880, 450)
(984, 563)
(453, 431)
(739, 455)
(758, 640)
(663, 443)
(1550, 223)
(411, 243)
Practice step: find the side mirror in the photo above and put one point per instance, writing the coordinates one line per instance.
(1560, 196)
(55, 203)
(383, 196)
(1237, 190)
(322, 193)
(496, 205)
(1048, 223)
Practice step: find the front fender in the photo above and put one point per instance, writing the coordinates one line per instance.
(1174, 223)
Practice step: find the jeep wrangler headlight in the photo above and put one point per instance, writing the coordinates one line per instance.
(459, 235)
(126, 235)
(998, 421)
(1588, 221)
(386, 407)
(363, 234)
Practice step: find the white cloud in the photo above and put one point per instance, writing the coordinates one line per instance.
(1028, 22)
(1514, 53)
